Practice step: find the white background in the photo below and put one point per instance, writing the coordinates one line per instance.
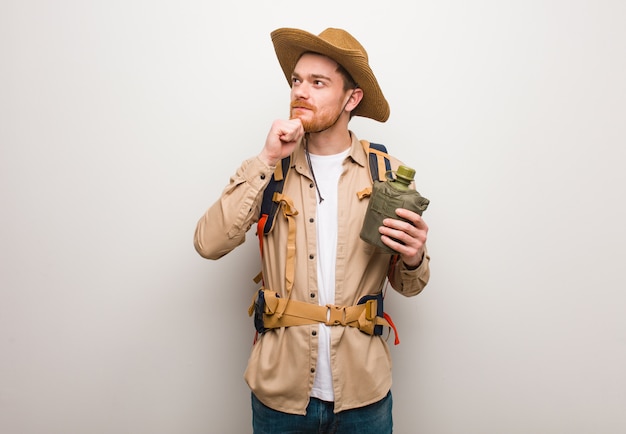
(121, 121)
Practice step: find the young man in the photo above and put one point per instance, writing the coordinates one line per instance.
(331, 374)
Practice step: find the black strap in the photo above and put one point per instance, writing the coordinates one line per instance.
(268, 206)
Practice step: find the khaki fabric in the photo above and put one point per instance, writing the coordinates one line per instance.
(281, 367)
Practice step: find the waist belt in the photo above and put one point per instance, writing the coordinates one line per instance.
(271, 311)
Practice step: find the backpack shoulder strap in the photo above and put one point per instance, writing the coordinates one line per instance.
(269, 207)
(378, 160)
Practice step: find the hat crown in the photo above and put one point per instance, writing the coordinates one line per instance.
(342, 40)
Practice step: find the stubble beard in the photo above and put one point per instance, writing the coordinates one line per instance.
(315, 123)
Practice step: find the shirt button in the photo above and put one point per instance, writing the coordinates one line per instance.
(311, 185)
(311, 256)
(311, 220)
(312, 370)
(263, 176)
(314, 333)
(312, 295)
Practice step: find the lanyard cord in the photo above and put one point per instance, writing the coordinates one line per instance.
(308, 160)
(306, 145)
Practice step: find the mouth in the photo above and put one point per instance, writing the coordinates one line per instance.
(300, 112)
(301, 105)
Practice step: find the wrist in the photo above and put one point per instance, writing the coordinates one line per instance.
(270, 162)
(410, 266)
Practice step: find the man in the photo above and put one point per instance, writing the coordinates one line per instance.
(324, 375)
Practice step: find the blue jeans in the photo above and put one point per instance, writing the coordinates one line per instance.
(372, 419)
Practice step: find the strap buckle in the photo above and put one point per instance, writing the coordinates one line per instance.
(335, 315)
(371, 310)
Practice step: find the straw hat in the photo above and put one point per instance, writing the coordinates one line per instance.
(340, 46)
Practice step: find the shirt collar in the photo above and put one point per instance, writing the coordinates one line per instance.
(357, 154)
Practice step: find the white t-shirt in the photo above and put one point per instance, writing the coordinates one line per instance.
(328, 170)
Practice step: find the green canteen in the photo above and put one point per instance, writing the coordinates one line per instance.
(387, 196)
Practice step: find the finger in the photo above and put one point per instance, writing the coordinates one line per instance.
(406, 235)
(293, 131)
(404, 232)
(408, 215)
(400, 225)
(406, 250)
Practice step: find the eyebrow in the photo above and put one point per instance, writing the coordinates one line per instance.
(314, 76)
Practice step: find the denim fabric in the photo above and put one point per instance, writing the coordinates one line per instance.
(372, 419)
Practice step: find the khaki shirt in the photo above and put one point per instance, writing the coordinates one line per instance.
(281, 367)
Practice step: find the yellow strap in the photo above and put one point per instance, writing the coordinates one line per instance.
(278, 172)
(289, 212)
(366, 192)
(281, 312)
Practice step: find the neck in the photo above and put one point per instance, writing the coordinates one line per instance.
(329, 142)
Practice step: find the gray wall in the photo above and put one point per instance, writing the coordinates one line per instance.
(121, 122)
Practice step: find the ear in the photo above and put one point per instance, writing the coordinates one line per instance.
(355, 99)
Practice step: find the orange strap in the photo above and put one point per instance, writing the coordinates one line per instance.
(259, 231)
(393, 326)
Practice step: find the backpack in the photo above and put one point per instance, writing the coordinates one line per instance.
(273, 199)
(379, 165)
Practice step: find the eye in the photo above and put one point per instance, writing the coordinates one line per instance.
(295, 80)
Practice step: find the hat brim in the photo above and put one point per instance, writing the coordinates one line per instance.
(290, 44)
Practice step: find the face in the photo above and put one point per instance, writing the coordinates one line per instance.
(318, 97)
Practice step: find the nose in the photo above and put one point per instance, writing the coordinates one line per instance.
(300, 91)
